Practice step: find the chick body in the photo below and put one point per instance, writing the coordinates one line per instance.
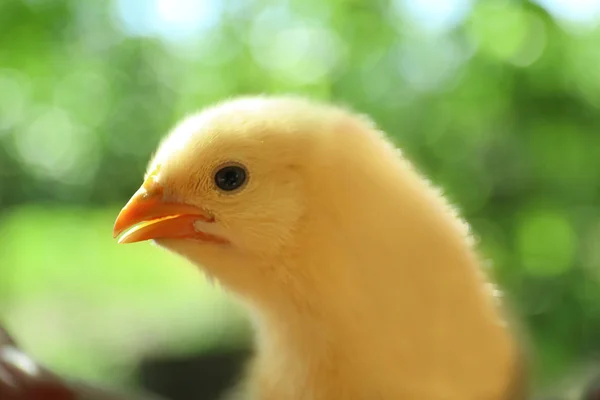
(362, 281)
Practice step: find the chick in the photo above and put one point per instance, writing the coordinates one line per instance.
(361, 280)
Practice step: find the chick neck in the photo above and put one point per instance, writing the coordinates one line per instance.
(381, 296)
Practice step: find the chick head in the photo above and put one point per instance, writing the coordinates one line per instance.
(233, 181)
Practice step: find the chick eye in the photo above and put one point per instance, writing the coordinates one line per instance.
(230, 177)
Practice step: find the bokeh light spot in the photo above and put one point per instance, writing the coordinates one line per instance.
(294, 51)
(586, 12)
(79, 89)
(171, 20)
(53, 146)
(546, 242)
(435, 16)
(429, 65)
(14, 93)
(499, 28)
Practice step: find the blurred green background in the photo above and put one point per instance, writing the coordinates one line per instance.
(497, 101)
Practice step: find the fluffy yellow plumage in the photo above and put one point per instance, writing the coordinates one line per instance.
(362, 281)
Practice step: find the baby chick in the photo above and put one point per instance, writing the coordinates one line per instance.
(362, 281)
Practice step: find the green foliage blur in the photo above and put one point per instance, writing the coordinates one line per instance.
(497, 101)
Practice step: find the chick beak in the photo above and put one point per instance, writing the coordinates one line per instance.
(148, 216)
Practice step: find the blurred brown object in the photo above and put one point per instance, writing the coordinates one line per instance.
(592, 391)
(5, 338)
(22, 378)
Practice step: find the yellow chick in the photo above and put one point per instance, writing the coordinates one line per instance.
(361, 280)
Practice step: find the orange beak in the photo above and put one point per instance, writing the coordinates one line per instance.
(147, 216)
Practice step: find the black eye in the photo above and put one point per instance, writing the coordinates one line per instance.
(230, 177)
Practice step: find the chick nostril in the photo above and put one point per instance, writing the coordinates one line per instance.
(151, 189)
